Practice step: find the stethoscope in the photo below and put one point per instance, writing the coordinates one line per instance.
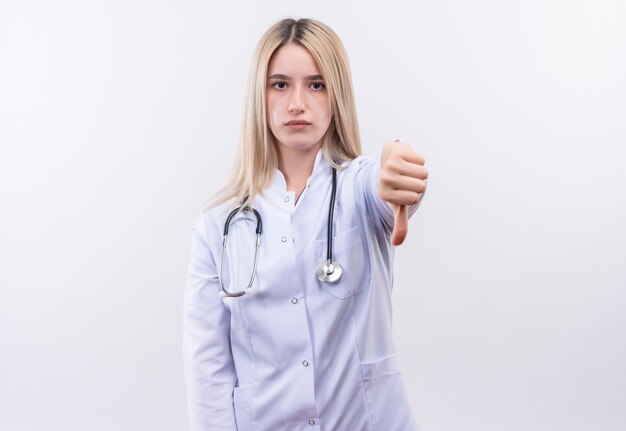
(328, 271)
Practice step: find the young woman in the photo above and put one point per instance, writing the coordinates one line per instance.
(287, 322)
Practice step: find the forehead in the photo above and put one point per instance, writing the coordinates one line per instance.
(292, 60)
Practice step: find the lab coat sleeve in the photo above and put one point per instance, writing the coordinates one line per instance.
(368, 183)
(208, 364)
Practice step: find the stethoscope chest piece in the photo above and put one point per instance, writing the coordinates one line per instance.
(329, 271)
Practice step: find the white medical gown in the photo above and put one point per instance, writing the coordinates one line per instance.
(298, 354)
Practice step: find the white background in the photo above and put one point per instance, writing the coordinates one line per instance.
(119, 118)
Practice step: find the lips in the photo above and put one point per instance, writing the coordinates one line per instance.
(297, 123)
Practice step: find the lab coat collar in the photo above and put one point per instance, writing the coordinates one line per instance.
(320, 170)
(280, 197)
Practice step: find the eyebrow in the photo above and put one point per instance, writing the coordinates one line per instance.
(286, 78)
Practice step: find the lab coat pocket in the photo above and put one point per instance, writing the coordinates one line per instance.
(350, 252)
(244, 408)
(385, 394)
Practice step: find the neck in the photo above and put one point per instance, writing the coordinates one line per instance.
(296, 166)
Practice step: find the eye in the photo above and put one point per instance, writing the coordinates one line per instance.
(279, 85)
(317, 86)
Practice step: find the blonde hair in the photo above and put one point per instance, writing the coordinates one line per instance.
(257, 158)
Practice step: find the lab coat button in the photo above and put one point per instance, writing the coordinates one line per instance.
(284, 239)
(311, 422)
(294, 300)
(305, 363)
(286, 198)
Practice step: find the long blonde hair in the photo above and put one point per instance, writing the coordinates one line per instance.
(257, 158)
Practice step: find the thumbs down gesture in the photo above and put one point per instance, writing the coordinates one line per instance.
(402, 183)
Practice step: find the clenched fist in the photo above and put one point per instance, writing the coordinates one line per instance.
(402, 183)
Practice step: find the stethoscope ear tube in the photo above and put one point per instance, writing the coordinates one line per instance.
(259, 228)
(259, 220)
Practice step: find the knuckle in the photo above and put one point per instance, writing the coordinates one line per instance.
(386, 179)
(383, 192)
(415, 198)
(394, 167)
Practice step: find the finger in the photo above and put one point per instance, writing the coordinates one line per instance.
(400, 224)
(409, 153)
(412, 170)
(400, 197)
(413, 157)
(404, 184)
(407, 169)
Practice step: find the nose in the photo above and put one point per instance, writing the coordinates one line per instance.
(296, 104)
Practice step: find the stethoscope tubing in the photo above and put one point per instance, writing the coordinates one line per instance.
(327, 271)
(259, 228)
(331, 215)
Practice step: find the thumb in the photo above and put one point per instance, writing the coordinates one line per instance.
(400, 224)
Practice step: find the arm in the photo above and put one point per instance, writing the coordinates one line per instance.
(208, 364)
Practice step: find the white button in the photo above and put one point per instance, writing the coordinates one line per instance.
(284, 239)
(311, 422)
(294, 300)
(286, 198)
(305, 363)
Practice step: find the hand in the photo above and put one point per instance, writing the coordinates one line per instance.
(402, 182)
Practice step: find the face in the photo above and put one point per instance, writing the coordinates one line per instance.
(297, 101)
